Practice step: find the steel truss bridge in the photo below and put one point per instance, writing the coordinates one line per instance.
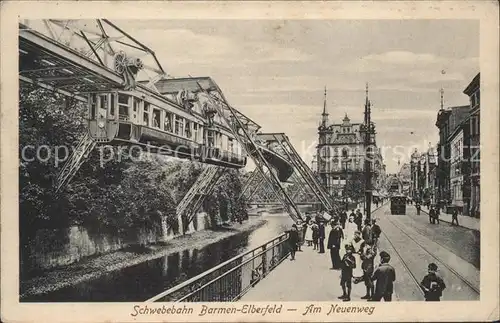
(118, 77)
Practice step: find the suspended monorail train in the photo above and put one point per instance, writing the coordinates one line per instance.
(180, 121)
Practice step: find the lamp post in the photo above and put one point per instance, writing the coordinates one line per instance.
(346, 166)
(368, 129)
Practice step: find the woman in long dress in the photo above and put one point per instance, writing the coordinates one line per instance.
(309, 233)
(350, 228)
(357, 244)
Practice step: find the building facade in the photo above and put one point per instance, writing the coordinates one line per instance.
(456, 171)
(474, 143)
(341, 154)
(448, 121)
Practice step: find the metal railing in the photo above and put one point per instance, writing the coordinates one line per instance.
(231, 279)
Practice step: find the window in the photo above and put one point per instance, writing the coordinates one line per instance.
(156, 117)
(112, 106)
(179, 125)
(195, 131)
(145, 115)
(187, 130)
(344, 153)
(230, 145)
(210, 138)
(478, 94)
(123, 106)
(168, 122)
(93, 106)
(103, 106)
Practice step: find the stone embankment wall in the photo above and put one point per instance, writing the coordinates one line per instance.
(60, 247)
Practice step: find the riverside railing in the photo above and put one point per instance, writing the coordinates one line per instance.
(231, 279)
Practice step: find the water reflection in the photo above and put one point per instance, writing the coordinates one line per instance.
(142, 281)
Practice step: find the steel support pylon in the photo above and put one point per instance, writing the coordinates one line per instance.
(241, 134)
(191, 202)
(75, 161)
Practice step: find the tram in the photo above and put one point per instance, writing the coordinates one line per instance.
(398, 204)
(179, 122)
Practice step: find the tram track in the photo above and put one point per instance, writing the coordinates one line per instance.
(433, 255)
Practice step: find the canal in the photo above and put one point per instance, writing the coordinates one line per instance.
(140, 282)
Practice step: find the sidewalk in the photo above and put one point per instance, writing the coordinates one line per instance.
(463, 220)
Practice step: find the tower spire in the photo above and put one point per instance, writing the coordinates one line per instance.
(442, 100)
(324, 105)
(324, 115)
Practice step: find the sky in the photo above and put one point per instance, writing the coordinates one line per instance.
(275, 71)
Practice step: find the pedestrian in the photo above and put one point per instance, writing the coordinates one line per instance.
(293, 240)
(432, 215)
(376, 231)
(334, 240)
(366, 233)
(309, 235)
(432, 284)
(343, 218)
(436, 216)
(418, 209)
(357, 245)
(321, 237)
(300, 232)
(348, 264)
(367, 257)
(385, 275)
(358, 219)
(350, 228)
(315, 235)
(454, 216)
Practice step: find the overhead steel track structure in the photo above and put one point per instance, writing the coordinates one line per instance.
(245, 135)
(281, 144)
(78, 57)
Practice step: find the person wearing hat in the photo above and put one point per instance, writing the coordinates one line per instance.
(432, 284)
(334, 241)
(293, 240)
(385, 275)
(321, 236)
(347, 264)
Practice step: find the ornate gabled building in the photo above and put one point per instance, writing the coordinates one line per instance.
(340, 154)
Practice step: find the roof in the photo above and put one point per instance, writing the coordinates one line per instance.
(473, 85)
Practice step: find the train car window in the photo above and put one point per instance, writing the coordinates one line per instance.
(195, 131)
(93, 106)
(210, 138)
(156, 117)
(112, 106)
(103, 106)
(145, 114)
(168, 121)
(187, 130)
(123, 107)
(179, 125)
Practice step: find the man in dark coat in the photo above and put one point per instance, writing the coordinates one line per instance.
(375, 231)
(293, 240)
(418, 209)
(348, 264)
(385, 275)
(343, 218)
(454, 216)
(367, 256)
(432, 215)
(321, 236)
(334, 240)
(432, 284)
(358, 219)
(366, 233)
